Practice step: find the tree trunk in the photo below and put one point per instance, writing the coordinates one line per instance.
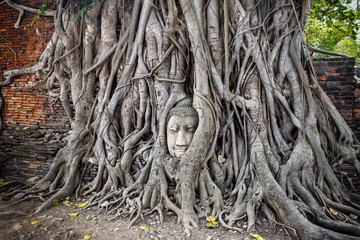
(265, 138)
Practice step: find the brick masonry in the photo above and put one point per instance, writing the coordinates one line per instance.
(24, 101)
(336, 77)
(37, 127)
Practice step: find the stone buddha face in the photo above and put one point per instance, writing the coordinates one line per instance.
(182, 122)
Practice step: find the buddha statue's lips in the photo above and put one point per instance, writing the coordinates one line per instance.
(179, 152)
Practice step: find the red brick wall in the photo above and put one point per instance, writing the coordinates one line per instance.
(336, 77)
(23, 105)
(35, 127)
(356, 112)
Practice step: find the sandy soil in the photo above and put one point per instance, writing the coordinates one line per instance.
(56, 224)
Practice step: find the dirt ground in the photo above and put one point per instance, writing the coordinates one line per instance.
(56, 224)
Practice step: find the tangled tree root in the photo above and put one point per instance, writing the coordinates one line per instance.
(265, 141)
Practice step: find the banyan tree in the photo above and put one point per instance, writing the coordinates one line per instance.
(197, 107)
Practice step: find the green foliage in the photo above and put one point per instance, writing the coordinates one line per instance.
(84, 6)
(333, 26)
(351, 48)
(41, 10)
(339, 19)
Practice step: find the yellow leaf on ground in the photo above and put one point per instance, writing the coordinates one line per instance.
(333, 211)
(35, 222)
(29, 180)
(212, 224)
(238, 225)
(45, 228)
(87, 236)
(89, 217)
(32, 210)
(81, 205)
(55, 202)
(210, 219)
(144, 227)
(73, 214)
(1, 180)
(257, 236)
(66, 202)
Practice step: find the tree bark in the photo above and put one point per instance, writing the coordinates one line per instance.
(259, 146)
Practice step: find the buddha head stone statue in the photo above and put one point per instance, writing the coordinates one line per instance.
(182, 122)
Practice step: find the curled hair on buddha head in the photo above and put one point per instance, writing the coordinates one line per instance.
(184, 108)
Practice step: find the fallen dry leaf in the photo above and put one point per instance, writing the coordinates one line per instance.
(210, 219)
(221, 160)
(333, 211)
(1, 180)
(257, 236)
(55, 202)
(65, 202)
(87, 237)
(144, 227)
(212, 224)
(89, 217)
(35, 222)
(73, 214)
(81, 205)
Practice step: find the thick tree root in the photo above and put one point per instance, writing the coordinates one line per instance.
(265, 141)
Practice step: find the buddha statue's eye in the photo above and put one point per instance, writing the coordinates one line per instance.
(190, 130)
(173, 129)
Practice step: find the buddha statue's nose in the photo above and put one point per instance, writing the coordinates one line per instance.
(181, 138)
